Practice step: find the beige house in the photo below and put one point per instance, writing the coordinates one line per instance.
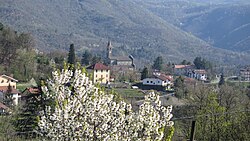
(8, 81)
(101, 73)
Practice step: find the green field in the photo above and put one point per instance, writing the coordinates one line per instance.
(124, 92)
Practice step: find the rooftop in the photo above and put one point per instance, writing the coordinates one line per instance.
(123, 58)
(98, 66)
(163, 76)
(5, 88)
(8, 77)
(182, 66)
(200, 71)
(2, 106)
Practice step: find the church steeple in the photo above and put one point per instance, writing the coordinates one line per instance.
(109, 50)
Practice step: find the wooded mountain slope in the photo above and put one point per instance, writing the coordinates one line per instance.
(89, 24)
(223, 24)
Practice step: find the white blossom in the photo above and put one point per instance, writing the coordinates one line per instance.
(81, 111)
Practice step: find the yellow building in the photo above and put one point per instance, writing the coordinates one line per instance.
(101, 73)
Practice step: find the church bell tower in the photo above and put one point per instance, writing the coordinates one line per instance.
(109, 50)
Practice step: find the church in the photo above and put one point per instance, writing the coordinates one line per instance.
(123, 61)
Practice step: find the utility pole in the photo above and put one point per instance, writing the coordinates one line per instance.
(192, 131)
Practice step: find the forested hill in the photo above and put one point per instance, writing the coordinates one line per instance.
(223, 24)
(89, 24)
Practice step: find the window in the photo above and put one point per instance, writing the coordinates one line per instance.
(107, 71)
(147, 81)
(151, 81)
(95, 75)
(101, 70)
(2, 81)
(96, 70)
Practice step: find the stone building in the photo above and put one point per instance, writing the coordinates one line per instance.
(119, 61)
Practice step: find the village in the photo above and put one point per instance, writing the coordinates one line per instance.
(120, 73)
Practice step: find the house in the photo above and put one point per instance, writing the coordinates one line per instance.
(182, 69)
(159, 79)
(4, 109)
(245, 74)
(198, 74)
(31, 93)
(127, 61)
(15, 94)
(101, 73)
(6, 80)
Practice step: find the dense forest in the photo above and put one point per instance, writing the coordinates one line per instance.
(145, 29)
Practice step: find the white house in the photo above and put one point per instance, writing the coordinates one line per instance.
(7, 82)
(15, 94)
(159, 79)
(182, 69)
(198, 74)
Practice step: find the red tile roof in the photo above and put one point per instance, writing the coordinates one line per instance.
(182, 66)
(31, 90)
(2, 106)
(5, 88)
(98, 66)
(163, 77)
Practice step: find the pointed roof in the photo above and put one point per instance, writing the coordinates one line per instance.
(8, 77)
(109, 44)
(98, 66)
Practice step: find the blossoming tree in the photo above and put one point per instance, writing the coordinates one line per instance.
(81, 111)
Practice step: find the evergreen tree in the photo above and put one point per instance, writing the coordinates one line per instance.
(198, 63)
(1, 26)
(222, 80)
(158, 63)
(71, 55)
(180, 89)
(144, 73)
(202, 63)
(26, 119)
(86, 58)
(96, 59)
